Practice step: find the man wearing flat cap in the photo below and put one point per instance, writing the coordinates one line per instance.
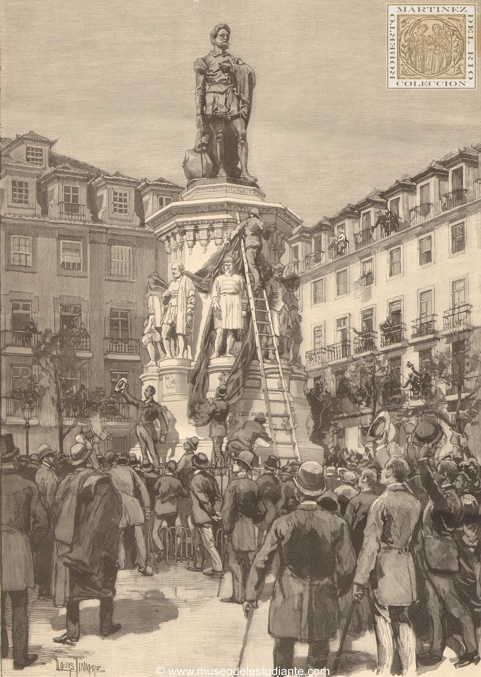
(317, 564)
(23, 518)
(253, 231)
(204, 492)
(185, 473)
(241, 510)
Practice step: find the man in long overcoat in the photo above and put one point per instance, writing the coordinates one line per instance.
(386, 556)
(23, 516)
(270, 492)
(134, 511)
(317, 565)
(168, 490)
(86, 518)
(241, 510)
(47, 482)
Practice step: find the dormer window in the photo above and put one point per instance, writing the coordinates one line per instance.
(366, 220)
(35, 155)
(120, 203)
(71, 199)
(394, 205)
(164, 201)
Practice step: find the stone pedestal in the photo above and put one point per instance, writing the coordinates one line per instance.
(191, 230)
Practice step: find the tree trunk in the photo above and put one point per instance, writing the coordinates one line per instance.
(58, 405)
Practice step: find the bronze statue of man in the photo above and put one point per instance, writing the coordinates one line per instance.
(224, 86)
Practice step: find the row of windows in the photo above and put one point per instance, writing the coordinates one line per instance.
(120, 200)
(70, 319)
(71, 257)
(20, 376)
(394, 313)
(425, 257)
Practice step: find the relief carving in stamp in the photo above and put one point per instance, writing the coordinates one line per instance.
(431, 46)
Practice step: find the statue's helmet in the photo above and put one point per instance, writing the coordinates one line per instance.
(218, 27)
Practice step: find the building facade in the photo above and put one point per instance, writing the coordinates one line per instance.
(76, 255)
(395, 275)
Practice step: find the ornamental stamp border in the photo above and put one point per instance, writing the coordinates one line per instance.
(431, 46)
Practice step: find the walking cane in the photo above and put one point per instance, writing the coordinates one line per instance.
(150, 545)
(246, 635)
(354, 603)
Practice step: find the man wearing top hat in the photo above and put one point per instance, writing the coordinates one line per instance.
(241, 510)
(218, 413)
(386, 556)
(86, 518)
(152, 425)
(22, 516)
(47, 482)
(204, 492)
(317, 564)
(270, 493)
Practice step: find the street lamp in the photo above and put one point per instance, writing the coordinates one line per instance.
(27, 411)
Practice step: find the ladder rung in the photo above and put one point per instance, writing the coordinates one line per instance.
(262, 322)
(257, 298)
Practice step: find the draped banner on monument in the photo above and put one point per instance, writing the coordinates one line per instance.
(203, 279)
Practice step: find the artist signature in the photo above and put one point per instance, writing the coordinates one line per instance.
(77, 666)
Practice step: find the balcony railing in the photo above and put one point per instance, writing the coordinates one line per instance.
(122, 346)
(81, 342)
(13, 407)
(313, 259)
(421, 213)
(316, 358)
(338, 351)
(363, 238)
(457, 318)
(392, 336)
(70, 211)
(424, 326)
(365, 342)
(19, 339)
(118, 411)
(389, 222)
(454, 199)
(338, 248)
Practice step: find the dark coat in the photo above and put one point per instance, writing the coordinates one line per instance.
(87, 514)
(317, 564)
(47, 482)
(270, 493)
(249, 433)
(185, 471)
(23, 516)
(218, 413)
(204, 491)
(356, 516)
(288, 501)
(442, 515)
(240, 507)
(168, 489)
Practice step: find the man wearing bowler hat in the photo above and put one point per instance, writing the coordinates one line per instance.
(22, 516)
(317, 564)
(241, 510)
(47, 482)
(270, 493)
(204, 492)
(168, 490)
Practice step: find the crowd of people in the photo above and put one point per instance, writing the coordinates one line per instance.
(401, 543)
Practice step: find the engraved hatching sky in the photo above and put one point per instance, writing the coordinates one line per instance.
(113, 81)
